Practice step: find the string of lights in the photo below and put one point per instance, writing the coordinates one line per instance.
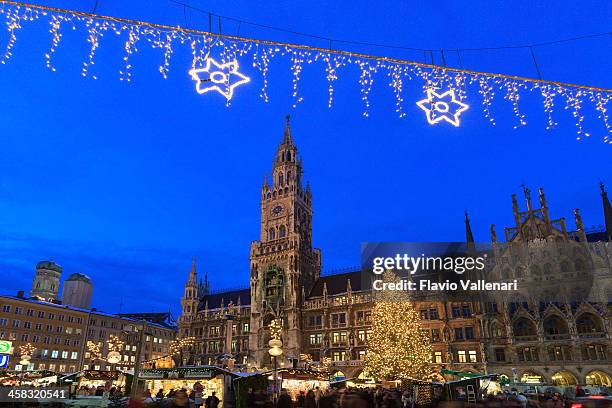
(451, 84)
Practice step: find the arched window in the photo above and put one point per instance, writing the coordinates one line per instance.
(288, 155)
(548, 269)
(523, 327)
(288, 176)
(38, 285)
(555, 325)
(280, 179)
(565, 266)
(52, 286)
(587, 323)
(271, 234)
(282, 232)
(497, 331)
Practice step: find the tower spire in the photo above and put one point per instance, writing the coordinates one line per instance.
(469, 237)
(287, 135)
(193, 276)
(607, 211)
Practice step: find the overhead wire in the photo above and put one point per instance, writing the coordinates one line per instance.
(351, 54)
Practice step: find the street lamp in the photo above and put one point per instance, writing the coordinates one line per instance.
(276, 349)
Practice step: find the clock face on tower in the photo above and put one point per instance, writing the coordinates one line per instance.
(277, 210)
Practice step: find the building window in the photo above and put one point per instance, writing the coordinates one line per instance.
(338, 337)
(315, 321)
(491, 307)
(500, 354)
(424, 314)
(16, 323)
(54, 353)
(461, 356)
(594, 352)
(559, 353)
(469, 333)
(338, 356)
(437, 357)
(458, 333)
(466, 311)
(433, 314)
(245, 327)
(3, 321)
(338, 319)
(435, 335)
(18, 310)
(527, 354)
(456, 311)
(364, 316)
(472, 356)
(316, 339)
(6, 308)
(74, 355)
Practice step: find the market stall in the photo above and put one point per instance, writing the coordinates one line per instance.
(92, 379)
(480, 385)
(296, 380)
(212, 379)
(35, 378)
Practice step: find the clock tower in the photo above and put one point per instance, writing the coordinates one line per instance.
(284, 264)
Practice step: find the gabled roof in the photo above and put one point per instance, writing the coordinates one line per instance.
(336, 284)
(214, 299)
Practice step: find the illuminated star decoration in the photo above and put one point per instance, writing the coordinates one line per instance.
(443, 106)
(222, 78)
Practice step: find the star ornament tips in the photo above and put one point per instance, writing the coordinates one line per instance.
(223, 78)
(442, 107)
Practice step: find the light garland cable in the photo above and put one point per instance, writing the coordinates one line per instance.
(164, 36)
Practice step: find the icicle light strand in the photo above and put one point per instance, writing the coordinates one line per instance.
(229, 47)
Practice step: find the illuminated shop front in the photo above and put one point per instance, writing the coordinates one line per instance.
(598, 379)
(212, 379)
(296, 380)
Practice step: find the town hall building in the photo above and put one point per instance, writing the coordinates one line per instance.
(327, 319)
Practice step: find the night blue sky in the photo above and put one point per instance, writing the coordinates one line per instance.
(127, 181)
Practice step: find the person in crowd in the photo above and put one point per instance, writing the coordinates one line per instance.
(299, 400)
(160, 394)
(554, 401)
(309, 400)
(284, 400)
(250, 399)
(212, 401)
(317, 395)
(180, 400)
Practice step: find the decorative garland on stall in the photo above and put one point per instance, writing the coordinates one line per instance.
(217, 60)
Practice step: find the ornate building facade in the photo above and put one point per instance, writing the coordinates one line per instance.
(529, 337)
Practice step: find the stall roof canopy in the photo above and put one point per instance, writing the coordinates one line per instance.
(300, 374)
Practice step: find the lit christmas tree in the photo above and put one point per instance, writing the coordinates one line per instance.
(398, 348)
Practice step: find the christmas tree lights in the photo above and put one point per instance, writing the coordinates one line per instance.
(398, 349)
